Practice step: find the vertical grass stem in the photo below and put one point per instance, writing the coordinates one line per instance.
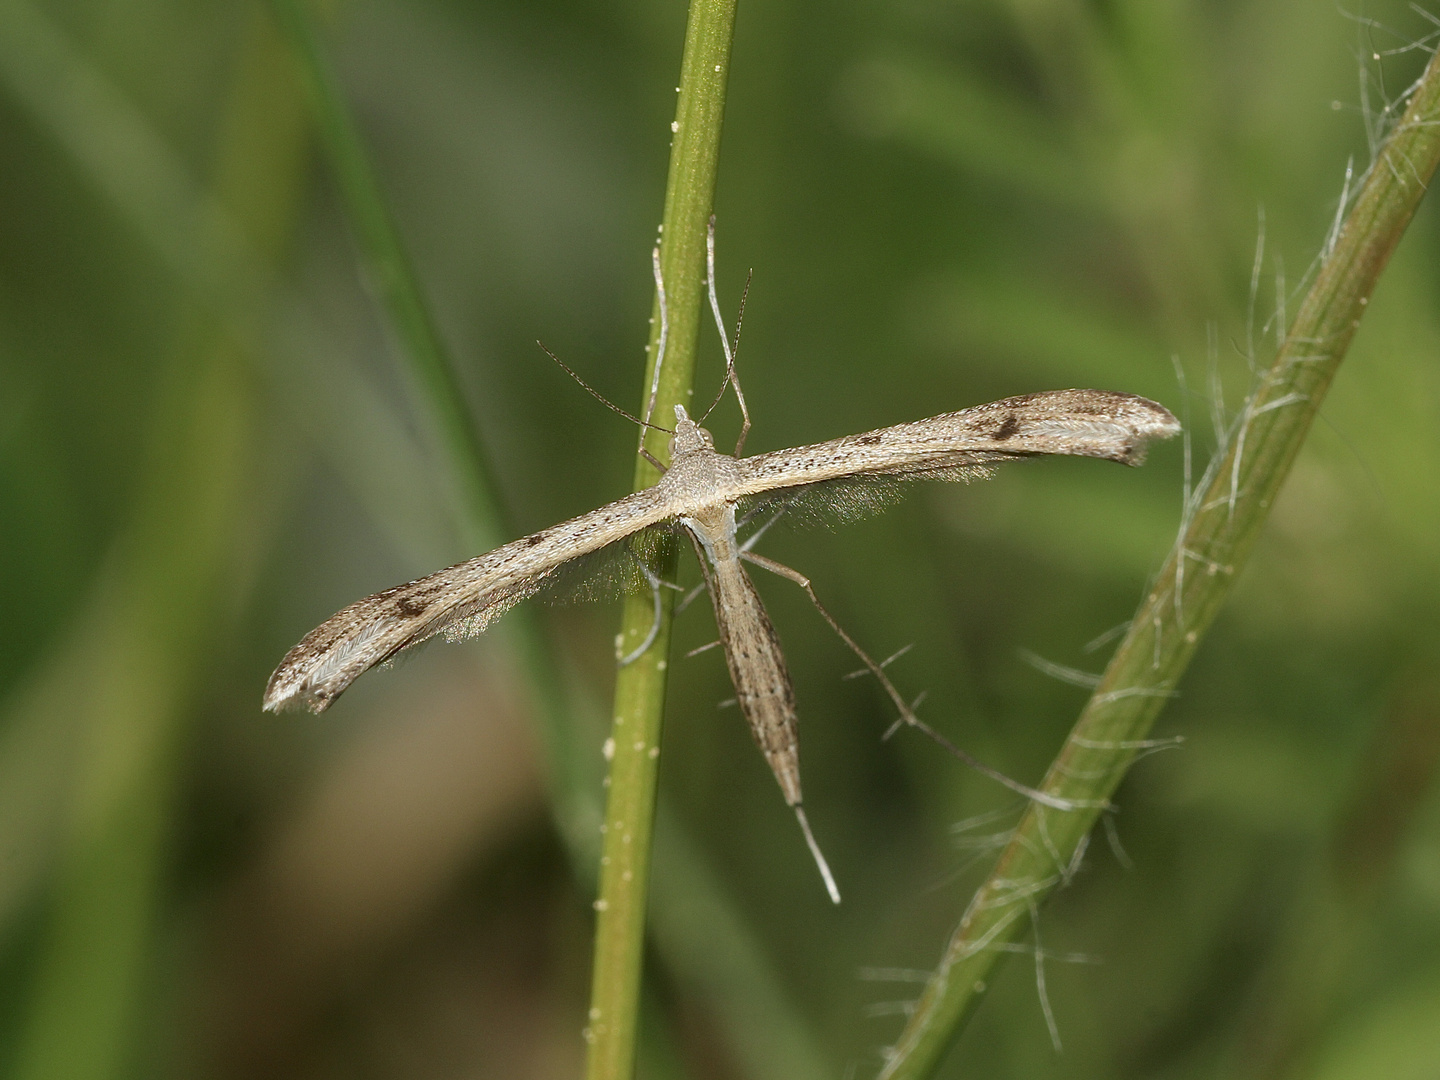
(634, 745)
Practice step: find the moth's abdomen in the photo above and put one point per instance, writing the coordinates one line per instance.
(757, 668)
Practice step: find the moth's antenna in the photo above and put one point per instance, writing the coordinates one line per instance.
(740, 318)
(601, 397)
(731, 379)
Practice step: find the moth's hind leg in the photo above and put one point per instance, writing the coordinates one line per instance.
(655, 582)
(907, 712)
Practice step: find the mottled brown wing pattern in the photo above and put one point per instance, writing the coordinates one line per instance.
(464, 599)
(458, 601)
(956, 446)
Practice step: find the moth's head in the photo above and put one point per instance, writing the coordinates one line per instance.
(689, 436)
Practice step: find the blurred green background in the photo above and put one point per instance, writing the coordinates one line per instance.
(207, 445)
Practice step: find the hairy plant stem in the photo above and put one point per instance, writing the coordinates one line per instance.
(634, 746)
(1222, 521)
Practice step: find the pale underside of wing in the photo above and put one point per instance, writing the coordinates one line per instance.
(458, 602)
(957, 446)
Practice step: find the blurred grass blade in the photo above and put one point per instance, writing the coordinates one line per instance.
(393, 278)
(124, 156)
(133, 677)
(640, 686)
(441, 399)
(967, 123)
(122, 687)
(697, 931)
(1221, 524)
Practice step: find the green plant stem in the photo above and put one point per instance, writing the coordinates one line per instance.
(634, 746)
(1223, 521)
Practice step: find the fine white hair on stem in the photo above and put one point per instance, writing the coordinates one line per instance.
(1281, 323)
(977, 845)
(1100, 641)
(1378, 122)
(1340, 207)
(1042, 826)
(1255, 266)
(877, 1009)
(1218, 421)
(892, 974)
(1059, 672)
(1040, 989)
(978, 821)
(1170, 743)
(1186, 490)
(1112, 836)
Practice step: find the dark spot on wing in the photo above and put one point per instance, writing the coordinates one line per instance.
(1006, 429)
(407, 607)
(533, 539)
(868, 440)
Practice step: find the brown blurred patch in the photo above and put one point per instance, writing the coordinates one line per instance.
(367, 857)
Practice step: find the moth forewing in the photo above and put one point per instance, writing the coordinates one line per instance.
(459, 601)
(958, 445)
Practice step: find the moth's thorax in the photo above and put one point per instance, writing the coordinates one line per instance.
(698, 479)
